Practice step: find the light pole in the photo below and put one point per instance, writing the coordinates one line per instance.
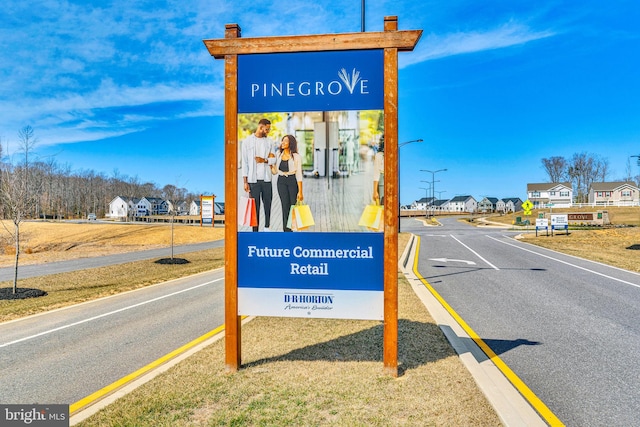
(439, 196)
(637, 157)
(433, 181)
(426, 197)
(402, 144)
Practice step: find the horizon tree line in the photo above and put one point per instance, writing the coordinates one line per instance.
(582, 170)
(59, 192)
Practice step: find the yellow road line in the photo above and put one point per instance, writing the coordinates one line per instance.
(81, 404)
(529, 395)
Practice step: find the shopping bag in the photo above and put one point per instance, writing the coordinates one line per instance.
(247, 212)
(302, 216)
(291, 223)
(372, 217)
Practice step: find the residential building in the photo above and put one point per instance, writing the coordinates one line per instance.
(488, 205)
(556, 194)
(463, 204)
(151, 206)
(122, 207)
(614, 194)
(509, 204)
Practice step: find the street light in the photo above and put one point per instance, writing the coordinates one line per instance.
(402, 144)
(433, 181)
(426, 197)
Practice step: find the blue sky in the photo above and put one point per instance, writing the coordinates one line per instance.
(493, 87)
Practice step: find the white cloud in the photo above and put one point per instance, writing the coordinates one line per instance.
(437, 46)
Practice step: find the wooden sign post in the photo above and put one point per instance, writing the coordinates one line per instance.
(391, 41)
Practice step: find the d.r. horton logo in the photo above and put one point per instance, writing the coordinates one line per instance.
(346, 82)
(34, 415)
(308, 302)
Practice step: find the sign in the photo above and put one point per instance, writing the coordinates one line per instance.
(320, 275)
(206, 209)
(542, 224)
(560, 222)
(576, 217)
(311, 81)
(527, 205)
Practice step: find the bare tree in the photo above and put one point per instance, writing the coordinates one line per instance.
(556, 167)
(174, 196)
(18, 195)
(585, 169)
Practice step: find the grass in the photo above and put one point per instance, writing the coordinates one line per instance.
(295, 371)
(75, 287)
(616, 245)
(304, 371)
(314, 372)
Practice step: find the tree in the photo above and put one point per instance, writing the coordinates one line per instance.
(556, 167)
(585, 169)
(173, 195)
(17, 193)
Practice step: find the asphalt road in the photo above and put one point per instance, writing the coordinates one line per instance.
(566, 326)
(65, 355)
(26, 271)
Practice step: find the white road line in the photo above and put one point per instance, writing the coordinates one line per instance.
(50, 331)
(569, 264)
(475, 253)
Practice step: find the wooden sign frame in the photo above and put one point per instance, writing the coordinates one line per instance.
(391, 41)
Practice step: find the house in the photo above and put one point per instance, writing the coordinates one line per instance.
(509, 204)
(194, 207)
(151, 206)
(440, 205)
(488, 205)
(180, 209)
(218, 208)
(421, 205)
(557, 194)
(614, 194)
(122, 207)
(463, 204)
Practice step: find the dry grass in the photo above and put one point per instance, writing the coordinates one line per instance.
(75, 287)
(295, 372)
(615, 246)
(57, 241)
(314, 372)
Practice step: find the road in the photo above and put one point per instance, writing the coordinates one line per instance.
(26, 271)
(65, 355)
(566, 326)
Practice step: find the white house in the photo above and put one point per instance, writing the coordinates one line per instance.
(421, 205)
(614, 194)
(151, 206)
(122, 207)
(194, 207)
(557, 194)
(463, 204)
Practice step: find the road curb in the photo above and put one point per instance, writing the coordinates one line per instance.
(111, 396)
(512, 408)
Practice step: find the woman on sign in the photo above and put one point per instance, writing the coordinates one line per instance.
(288, 167)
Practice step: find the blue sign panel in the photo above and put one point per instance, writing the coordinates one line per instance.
(333, 261)
(311, 81)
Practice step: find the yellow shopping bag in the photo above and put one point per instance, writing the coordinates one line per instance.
(372, 217)
(301, 217)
